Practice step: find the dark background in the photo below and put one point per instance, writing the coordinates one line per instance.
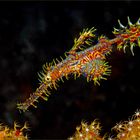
(33, 33)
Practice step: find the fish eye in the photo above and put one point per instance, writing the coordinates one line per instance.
(48, 78)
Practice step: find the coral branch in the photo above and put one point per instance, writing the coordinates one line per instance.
(13, 134)
(127, 130)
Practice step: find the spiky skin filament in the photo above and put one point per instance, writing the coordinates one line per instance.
(129, 36)
(89, 62)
